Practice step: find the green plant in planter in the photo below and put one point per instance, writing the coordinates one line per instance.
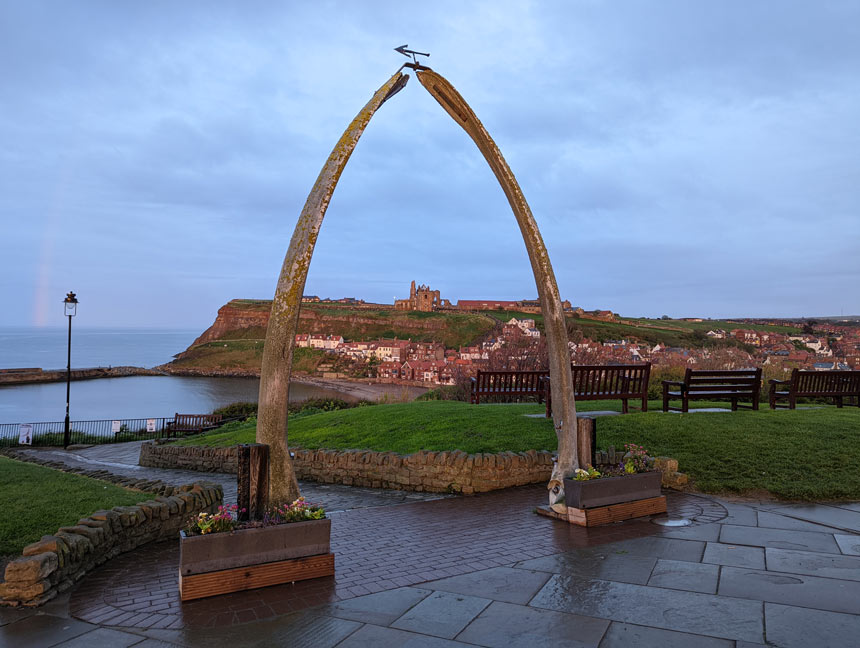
(226, 519)
(636, 460)
(591, 472)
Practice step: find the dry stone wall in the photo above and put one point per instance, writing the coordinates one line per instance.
(425, 471)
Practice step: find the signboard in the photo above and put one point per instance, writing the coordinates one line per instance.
(115, 426)
(25, 434)
(150, 425)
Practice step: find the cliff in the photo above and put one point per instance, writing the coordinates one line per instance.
(247, 316)
(233, 345)
(247, 319)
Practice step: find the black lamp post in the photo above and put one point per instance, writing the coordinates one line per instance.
(71, 308)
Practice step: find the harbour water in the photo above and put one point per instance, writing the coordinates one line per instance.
(115, 398)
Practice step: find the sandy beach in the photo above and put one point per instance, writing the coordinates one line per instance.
(367, 390)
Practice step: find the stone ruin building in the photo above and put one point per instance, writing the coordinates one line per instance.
(421, 298)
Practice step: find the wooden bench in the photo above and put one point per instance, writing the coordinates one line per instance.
(704, 384)
(192, 423)
(507, 385)
(823, 384)
(607, 382)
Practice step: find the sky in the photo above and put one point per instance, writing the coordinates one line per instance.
(681, 158)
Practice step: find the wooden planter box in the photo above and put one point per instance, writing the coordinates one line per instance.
(219, 563)
(593, 493)
(611, 499)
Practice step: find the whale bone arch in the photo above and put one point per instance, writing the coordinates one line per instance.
(283, 321)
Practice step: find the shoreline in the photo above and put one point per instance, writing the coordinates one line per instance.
(364, 390)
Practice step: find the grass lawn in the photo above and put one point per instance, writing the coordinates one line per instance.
(36, 501)
(810, 454)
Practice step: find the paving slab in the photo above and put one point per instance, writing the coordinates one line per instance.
(791, 589)
(813, 564)
(769, 520)
(706, 532)
(500, 584)
(305, 629)
(504, 625)
(740, 514)
(682, 575)
(374, 636)
(382, 608)
(619, 567)
(848, 544)
(833, 516)
(41, 631)
(734, 555)
(103, 638)
(442, 614)
(10, 615)
(798, 627)
(659, 547)
(778, 538)
(626, 635)
(707, 614)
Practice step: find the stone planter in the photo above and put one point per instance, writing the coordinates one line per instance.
(593, 493)
(218, 563)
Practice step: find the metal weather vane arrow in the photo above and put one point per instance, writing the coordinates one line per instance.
(407, 53)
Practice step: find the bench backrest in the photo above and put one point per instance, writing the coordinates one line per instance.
(825, 382)
(628, 380)
(747, 381)
(526, 382)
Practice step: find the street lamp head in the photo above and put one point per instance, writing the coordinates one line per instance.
(71, 304)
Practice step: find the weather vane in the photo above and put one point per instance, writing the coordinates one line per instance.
(407, 53)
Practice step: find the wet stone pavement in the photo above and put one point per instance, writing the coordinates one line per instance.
(487, 571)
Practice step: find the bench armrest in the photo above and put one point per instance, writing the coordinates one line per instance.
(773, 381)
(473, 380)
(666, 383)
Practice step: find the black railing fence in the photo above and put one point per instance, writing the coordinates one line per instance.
(85, 432)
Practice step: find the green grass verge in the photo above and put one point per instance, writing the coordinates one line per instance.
(36, 501)
(808, 454)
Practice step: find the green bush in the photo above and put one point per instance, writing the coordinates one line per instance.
(658, 375)
(311, 405)
(241, 410)
(443, 393)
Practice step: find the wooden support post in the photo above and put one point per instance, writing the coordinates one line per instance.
(586, 439)
(252, 480)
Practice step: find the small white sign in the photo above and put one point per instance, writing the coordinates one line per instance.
(25, 434)
(150, 425)
(115, 426)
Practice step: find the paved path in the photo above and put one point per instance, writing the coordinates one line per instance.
(121, 459)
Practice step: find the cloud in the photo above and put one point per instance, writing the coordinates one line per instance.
(167, 150)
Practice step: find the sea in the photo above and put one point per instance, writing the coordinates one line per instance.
(116, 398)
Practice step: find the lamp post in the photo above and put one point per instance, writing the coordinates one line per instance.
(70, 304)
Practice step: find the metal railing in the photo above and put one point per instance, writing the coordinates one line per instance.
(87, 432)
